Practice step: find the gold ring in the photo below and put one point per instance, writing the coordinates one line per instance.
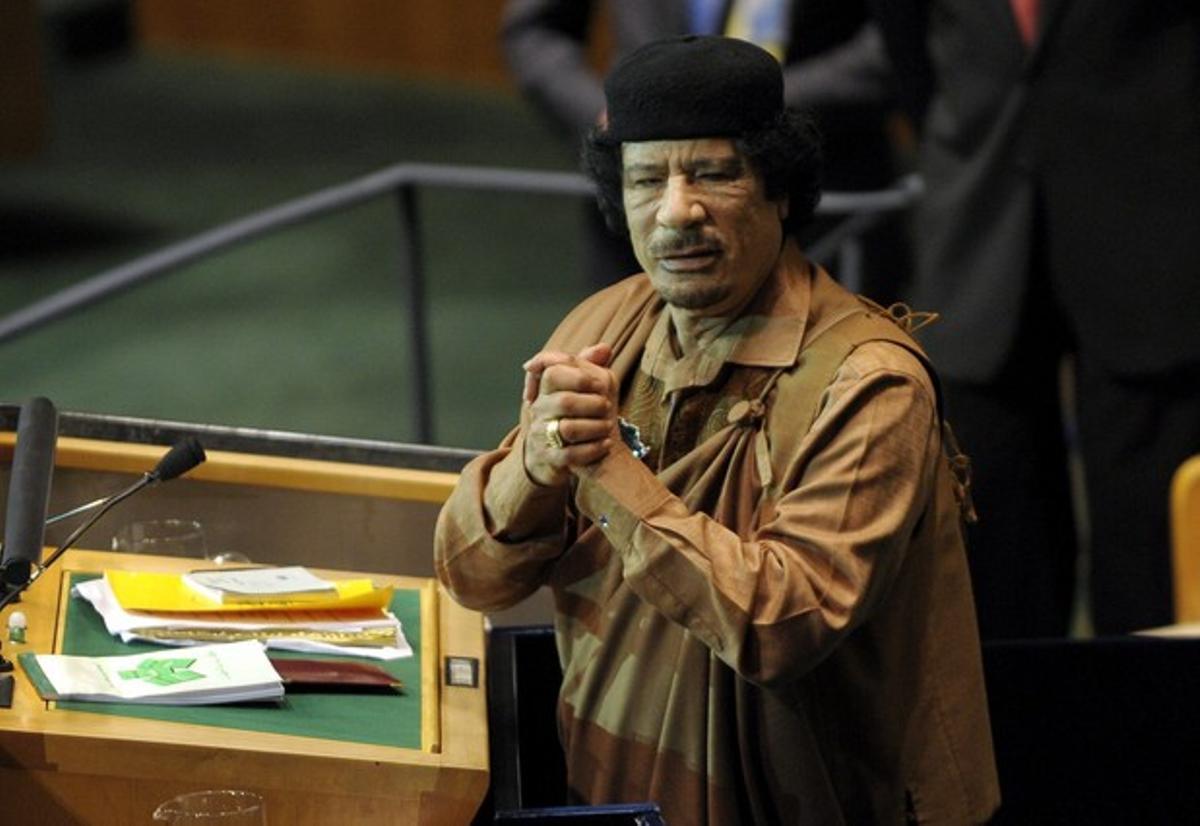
(553, 437)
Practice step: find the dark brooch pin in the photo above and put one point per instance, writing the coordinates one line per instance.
(631, 435)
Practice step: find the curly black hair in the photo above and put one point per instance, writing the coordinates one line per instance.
(786, 154)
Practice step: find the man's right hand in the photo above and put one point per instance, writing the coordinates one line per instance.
(580, 394)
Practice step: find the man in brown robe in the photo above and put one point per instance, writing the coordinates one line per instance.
(731, 474)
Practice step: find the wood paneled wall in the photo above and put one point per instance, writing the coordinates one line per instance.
(451, 39)
(22, 87)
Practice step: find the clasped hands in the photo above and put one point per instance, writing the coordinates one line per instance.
(572, 412)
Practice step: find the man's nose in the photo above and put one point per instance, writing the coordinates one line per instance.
(680, 206)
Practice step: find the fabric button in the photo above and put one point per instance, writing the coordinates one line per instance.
(746, 412)
(738, 412)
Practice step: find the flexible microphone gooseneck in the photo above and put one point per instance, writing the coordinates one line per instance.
(175, 463)
(178, 460)
(29, 491)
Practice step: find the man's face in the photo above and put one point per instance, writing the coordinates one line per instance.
(700, 222)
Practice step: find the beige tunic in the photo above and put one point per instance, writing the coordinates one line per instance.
(776, 627)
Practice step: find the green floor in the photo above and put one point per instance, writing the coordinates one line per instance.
(306, 330)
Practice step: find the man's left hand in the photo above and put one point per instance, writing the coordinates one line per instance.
(575, 396)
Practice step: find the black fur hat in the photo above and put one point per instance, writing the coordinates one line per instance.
(695, 86)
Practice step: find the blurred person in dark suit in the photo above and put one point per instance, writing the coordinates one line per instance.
(1060, 149)
(834, 65)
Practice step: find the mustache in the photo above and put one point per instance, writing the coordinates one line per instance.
(681, 240)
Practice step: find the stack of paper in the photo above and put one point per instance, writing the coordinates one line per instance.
(231, 673)
(349, 618)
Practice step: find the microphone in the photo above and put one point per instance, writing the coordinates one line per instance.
(29, 490)
(181, 458)
(178, 460)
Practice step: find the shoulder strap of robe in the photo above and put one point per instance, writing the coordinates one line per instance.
(800, 389)
(821, 358)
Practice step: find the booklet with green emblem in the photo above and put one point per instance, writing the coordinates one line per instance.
(203, 675)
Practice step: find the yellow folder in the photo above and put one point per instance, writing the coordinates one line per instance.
(146, 591)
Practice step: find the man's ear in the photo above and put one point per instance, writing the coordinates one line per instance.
(784, 205)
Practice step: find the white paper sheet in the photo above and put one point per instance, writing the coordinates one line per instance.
(127, 624)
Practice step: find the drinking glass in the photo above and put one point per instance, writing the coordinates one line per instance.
(165, 537)
(226, 807)
(227, 558)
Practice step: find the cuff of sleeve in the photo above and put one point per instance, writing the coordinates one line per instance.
(516, 505)
(617, 493)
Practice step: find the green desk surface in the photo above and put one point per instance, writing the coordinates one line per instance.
(385, 719)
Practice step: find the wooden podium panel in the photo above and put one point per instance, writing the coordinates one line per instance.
(59, 766)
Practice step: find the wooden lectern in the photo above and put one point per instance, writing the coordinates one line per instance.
(77, 766)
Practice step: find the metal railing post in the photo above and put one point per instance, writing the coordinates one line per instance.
(850, 264)
(412, 281)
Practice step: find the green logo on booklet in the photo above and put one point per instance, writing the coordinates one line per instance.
(163, 672)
